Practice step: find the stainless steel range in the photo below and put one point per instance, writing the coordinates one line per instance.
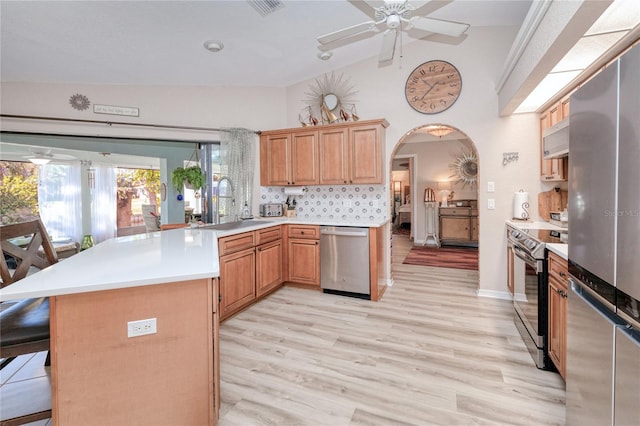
(528, 263)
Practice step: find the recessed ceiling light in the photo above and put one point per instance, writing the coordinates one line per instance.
(325, 56)
(213, 45)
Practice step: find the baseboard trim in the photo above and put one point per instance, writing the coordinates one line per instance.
(505, 295)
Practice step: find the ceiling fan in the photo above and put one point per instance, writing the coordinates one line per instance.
(393, 14)
(43, 156)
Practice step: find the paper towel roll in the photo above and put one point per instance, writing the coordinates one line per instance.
(295, 190)
(521, 205)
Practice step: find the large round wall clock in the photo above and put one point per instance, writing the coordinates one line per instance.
(433, 87)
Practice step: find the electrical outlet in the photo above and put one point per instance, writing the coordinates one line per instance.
(491, 203)
(491, 186)
(141, 327)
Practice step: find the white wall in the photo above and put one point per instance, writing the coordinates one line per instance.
(480, 60)
(380, 95)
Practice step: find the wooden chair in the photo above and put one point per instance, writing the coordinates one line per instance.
(173, 226)
(24, 325)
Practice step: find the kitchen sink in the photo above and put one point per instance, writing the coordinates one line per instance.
(236, 225)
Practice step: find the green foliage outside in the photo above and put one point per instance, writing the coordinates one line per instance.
(131, 182)
(18, 192)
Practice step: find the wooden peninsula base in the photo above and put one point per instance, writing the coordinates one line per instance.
(99, 375)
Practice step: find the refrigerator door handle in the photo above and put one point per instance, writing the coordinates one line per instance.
(591, 299)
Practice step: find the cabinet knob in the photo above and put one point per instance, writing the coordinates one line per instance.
(301, 232)
(345, 181)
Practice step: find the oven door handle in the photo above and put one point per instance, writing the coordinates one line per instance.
(538, 265)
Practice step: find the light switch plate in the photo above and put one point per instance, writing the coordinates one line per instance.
(491, 186)
(491, 203)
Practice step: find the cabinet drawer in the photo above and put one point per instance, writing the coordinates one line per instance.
(558, 268)
(268, 234)
(234, 243)
(455, 211)
(304, 231)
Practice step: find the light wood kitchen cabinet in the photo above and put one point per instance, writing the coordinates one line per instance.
(303, 255)
(334, 156)
(344, 153)
(555, 169)
(458, 225)
(558, 287)
(269, 260)
(289, 159)
(250, 267)
(237, 281)
(365, 154)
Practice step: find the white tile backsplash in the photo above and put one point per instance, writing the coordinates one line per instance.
(342, 202)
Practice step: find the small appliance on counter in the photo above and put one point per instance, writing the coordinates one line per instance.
(271, 210)
(559, 218)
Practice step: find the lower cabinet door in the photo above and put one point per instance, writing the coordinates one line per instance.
(237, 281)
(557, 324)
(454, 228)
(268, 267)
(304, 262)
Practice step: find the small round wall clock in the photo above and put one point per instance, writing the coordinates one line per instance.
(433, 87)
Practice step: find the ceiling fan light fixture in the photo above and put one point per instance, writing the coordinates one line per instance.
(439, 131)
(39, 160)
(393, 21)
(213, 45)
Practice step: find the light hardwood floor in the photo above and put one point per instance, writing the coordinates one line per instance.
(430, 353)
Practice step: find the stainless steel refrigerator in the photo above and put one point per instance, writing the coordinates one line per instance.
(603, 314)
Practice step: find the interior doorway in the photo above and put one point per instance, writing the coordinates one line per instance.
(442, 168)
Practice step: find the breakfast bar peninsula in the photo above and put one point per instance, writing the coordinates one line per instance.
(133, 330)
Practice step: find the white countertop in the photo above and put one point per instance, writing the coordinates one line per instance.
(534, 224)
(153, 258)
(137, 260)
(561, 250)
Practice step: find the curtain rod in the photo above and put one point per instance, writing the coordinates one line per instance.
(121, 123)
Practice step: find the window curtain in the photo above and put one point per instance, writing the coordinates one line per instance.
(237, 148)
(60, 200)
(103, 204)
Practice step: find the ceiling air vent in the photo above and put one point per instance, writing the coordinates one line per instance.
(265, 7)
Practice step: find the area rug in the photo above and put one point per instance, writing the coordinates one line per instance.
(444, 257)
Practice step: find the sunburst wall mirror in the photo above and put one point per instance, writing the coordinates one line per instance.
(330, 100)
(465, 168)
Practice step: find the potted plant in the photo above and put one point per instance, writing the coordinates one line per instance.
(191, 176)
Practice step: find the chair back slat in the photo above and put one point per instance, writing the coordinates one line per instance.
(28, 256)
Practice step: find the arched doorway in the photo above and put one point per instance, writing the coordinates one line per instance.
(434, 163)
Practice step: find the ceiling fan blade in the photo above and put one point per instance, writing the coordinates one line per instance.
(388, 45)
(346, 32)
(368, 7)
(450, 28)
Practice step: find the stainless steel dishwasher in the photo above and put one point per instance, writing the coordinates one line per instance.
(344, 260)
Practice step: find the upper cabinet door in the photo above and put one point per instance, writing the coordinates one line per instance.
(275, 156)
(365, 154)
(334, 156)
(304, 164)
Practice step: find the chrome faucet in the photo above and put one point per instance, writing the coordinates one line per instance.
(216, 211)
